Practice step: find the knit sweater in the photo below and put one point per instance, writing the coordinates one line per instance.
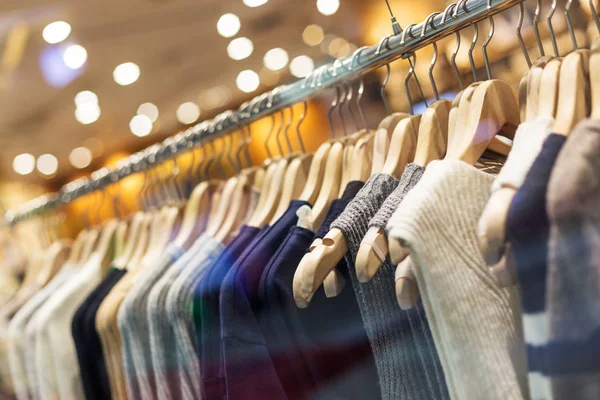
(528, 232)
(178, 308)
(572, 297)
(164, 361)
(403, 373)
(133, 327)
(475, 323)
(411, 175)
(20, 342)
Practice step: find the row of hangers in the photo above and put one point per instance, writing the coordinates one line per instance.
(479, 122)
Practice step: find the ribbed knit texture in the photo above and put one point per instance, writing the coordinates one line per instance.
(133, 327)
(474, 322)
(164, 360)
(527, 144)
(403, 373)
(573, 293)
(411, 175)
(178, 307)
(528, 232)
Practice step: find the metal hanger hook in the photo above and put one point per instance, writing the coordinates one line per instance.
(551, 28)
(300, 121)
(430, 21)
(448, 11)
(473, 43)
(484, 47)
(536, 28)
(569, 24)
(287, 129)
(520, 36)
(387, 75)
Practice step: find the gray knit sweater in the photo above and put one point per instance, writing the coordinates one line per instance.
(573, 293)
(403, 371)
(410, 177)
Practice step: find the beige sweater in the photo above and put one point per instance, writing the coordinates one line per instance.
(475, 323)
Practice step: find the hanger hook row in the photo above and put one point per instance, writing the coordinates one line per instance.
(551, 28)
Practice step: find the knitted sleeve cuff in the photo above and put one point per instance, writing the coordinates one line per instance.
(355, 218)
(409, 179)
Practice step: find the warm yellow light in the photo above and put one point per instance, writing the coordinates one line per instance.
(150, 110)
(276, 59)
(328, 7)
(313, 35)
(140, 125)
(302, 66)
(240, 48)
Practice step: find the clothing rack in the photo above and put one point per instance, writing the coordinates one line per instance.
(390, 48)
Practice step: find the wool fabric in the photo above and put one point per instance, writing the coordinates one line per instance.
(178, 307)
(528, 232)
(133, 328)
(572, 296)
(411, 175)
(402, 372)
(475, 323)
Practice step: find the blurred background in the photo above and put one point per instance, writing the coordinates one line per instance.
(84, 84)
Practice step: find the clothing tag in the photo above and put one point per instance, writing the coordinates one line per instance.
(304, 214)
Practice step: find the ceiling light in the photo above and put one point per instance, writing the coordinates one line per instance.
(276, 59)
(140, 125)
(188, 113)
(47, 164)
(240, 48)
(75, 56)
(255, 3)
(313, 35)
(80, 157)
(126, 73)
(87, 113)
(247, 81)
(302, 66)
(56, 32)
(85, 97)
(24, 164)
(328, 7)
(228, 25)
(149, 110)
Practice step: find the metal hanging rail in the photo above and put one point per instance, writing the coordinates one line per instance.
(390, 48)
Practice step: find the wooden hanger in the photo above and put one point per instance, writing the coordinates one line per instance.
(120, 238)
(316, 173)
(431, 145)
(494, 102)
(88, 246)
(140, 245)
(55, 257)
(362, 159)
(383, 135)
(105, 248)
(403, 146)
(76, 247)
(538, 101)
(296, 176)
(595, 79)
(574, 90)
(331, 184)
(195, 216)
(265, 212)
(134, 231)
